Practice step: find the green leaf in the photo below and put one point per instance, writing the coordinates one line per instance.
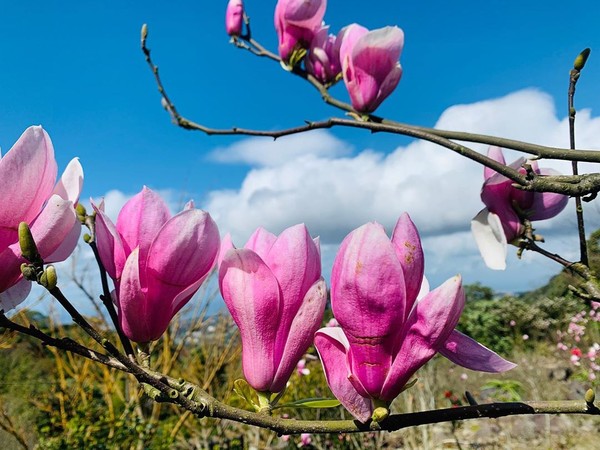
(245, 391)
(311, 403)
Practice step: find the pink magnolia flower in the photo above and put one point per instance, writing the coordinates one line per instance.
(31, 194)
(296, 23)
(301, 368)
(156, 261)
(323, 59)
(501, 221)
(389, 324)
(275, 293)
(234, 17)
(305, 439)
(370, 64)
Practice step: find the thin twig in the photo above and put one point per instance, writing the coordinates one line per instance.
(588, 184)
(573, 77)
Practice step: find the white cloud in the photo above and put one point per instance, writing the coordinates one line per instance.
(438, 188)
(264, 151)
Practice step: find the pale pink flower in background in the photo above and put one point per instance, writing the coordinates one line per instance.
(157, 262)
(512, 323)
(501, 222)
(305, 439)
(464, 376)
(525, 337)
(31, 194)
(370, 64)
(301, 368)
(275, 293)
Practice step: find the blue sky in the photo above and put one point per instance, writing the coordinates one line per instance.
(75, 67)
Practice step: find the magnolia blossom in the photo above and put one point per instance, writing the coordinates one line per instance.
(156, 261)
(390, 325)
(30, 193)
(296, 23)
(275, 293)
(234, 17)
(370, 64)
(323, 59)
(501, 221)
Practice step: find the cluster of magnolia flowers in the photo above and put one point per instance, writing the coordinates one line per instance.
(367, 60)
(388, 323)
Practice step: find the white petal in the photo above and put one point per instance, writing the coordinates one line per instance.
(489, 235)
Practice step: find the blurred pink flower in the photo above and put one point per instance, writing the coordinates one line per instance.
(275, 293)
(301, 368)
(323, 58)
(234, 17)
(157, 262)
(390, 325)
(370, 64)
(31, 194)
(501, 221)
(305, 439)
(296, 23)
(525, 337)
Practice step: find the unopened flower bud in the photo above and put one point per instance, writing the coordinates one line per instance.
(380, 414)
(26, 242)
(144, 34)
(28, 272)
(590, 396)
(581, 59)
(49, 278)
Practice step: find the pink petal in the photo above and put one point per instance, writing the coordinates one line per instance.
(71, 181)
(547, 204)
(369, 301)
(139, 322)
(407, 244)
(226, 245)
(428, 327)
(378, 51)
(54, 229)
(261, 242)
(295, 263)
(27, 173)
(491, 241)
(110, 247)
(332, 345)
(67, 246)
(305, 13)
(307, 320)
(253, 297)
(14, 296)
(139, 221)
(184, 250)
(496, 154)
(346, 39)
(469, 353)
(10, 266)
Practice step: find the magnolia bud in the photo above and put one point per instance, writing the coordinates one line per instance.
(49, 278)
(581, 59)
(26, 242)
